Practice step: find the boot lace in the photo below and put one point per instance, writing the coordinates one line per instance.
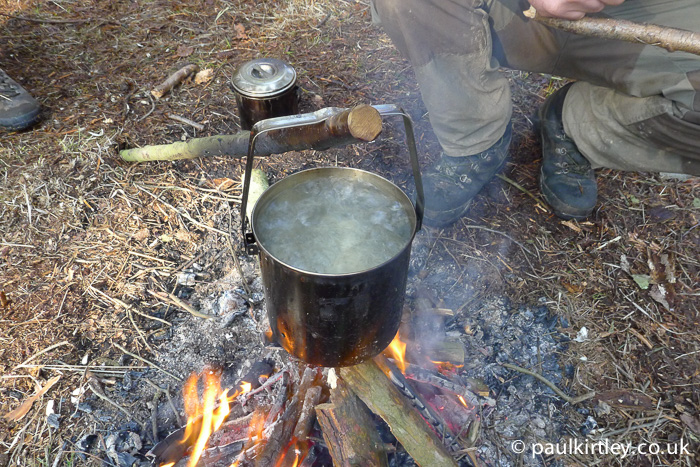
(569, 165)
(7, 88)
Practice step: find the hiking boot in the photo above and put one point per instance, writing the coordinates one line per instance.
(451, 183)
(567, 180)
(18, 109)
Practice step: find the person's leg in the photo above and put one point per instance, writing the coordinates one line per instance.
(448, 43)
(645, 112)
(634, 107)
(18, 109)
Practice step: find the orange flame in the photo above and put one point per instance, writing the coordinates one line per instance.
(464, 403)
(397, 351)
(206, 416)
(257, 424)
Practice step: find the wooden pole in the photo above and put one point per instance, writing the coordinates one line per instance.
(344, 126)
(670, 39)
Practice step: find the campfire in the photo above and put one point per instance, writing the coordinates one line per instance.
(299, 415)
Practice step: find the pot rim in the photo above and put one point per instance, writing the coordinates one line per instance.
(413, 219)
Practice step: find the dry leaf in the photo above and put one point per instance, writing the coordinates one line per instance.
(692, 422)
(572, 288)
(572, 226)
(23, 409)
(141, 235)
(204, 76)
(626, 399)
(223, 184)
(184, 51)
(661, 294)
(240, 31)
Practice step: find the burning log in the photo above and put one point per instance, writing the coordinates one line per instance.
(330, 127)
(349, 431)
(308, 413)
(175, 446)
(370, 383)
(280, 437)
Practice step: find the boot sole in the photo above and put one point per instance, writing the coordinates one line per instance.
(21, 122)
(444, 218)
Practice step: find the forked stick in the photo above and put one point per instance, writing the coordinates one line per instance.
(670, 39)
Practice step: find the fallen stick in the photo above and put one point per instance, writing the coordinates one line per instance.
(323, 129)
(173, 80)
(671, 39)
(552, 386)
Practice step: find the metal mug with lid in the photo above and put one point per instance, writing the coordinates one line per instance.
(265, 88)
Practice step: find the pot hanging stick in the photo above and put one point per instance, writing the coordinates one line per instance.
(670, 39)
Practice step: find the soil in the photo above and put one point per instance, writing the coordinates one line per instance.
(93, 249)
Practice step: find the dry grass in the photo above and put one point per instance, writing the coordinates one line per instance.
(86, 239)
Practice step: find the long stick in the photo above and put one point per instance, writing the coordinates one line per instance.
(323, 129)
(671, 39)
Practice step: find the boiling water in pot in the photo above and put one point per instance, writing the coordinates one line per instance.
(333, 225)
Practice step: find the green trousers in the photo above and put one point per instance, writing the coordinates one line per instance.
(633, 107)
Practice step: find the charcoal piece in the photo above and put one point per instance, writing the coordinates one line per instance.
(85, 407)
(83, 445)
(589, 425)
(184, 292)
(53, 421)
(124, 459)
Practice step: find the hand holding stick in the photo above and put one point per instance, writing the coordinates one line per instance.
(670, 39)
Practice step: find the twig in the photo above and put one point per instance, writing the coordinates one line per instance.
(560, 393)
(147, 362)
(186, 121)
(47, 349)
(138, 330)
(173, 80)
(182, 213)
(173, 300)
(47, 21)
(97, 390)
(153, 107)
(527, 192)
(481, 227)
(126, 306)
(172, 406)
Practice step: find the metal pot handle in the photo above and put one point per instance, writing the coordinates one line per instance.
(293, 121)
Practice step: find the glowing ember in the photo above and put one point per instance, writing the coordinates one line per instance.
(397, 351)
(447, 368)
(464, 403)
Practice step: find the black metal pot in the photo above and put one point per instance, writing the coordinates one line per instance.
(265, 88)
(329, 319)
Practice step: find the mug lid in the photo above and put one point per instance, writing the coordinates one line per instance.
(263, 77)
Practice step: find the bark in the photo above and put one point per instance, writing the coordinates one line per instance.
(670, 39)
(349, 431)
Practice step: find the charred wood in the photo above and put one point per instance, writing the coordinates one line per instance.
(370, 383)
